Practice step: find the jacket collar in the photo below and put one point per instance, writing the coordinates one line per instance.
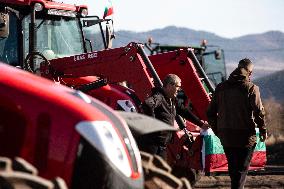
(239, 75)
(160, 90)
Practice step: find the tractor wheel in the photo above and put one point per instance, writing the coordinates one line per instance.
(18, 174)
(192, 175)
(158, 175)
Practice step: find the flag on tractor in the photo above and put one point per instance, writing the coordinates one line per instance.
(108, 9)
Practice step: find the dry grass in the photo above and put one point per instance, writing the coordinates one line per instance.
(275, 125)
(274, 120)
(272, 140)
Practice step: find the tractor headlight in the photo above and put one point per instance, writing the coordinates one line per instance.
(38, 7)
(84, 12)
(104, 137)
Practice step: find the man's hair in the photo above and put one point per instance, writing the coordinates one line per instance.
(245, 63)
(171, 79)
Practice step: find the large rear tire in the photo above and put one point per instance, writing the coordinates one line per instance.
(158, 174)
(18, 173)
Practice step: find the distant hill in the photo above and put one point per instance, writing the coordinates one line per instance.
(266, 49)
(272, 86)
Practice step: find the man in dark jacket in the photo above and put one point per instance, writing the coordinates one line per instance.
(162, 106)
(234, 112)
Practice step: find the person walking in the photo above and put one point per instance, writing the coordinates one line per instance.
(233, 113)
(162, 105)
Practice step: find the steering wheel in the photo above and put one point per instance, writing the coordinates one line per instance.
(33, 60)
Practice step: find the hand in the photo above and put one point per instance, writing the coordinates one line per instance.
(262, 136)
(205, 125)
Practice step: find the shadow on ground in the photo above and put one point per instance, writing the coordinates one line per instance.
(275, 154)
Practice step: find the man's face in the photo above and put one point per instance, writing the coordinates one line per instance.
(250, 68)
(173, 89)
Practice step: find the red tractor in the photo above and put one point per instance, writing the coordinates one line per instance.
(52, 30)
(65, 133)
(53, 45)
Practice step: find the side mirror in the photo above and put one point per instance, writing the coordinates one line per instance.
(218, 54)
(4, 25)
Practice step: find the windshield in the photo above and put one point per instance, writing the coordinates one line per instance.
(93, 32)
(57, 37)
(214, 68)
(9, 46)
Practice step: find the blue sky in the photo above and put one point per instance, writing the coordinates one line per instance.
(227, 18)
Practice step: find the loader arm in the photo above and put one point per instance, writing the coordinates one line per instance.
(116, 65)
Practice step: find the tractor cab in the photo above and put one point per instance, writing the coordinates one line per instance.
(213, 62)
(98, 33)
(210, 57)
(31, 30)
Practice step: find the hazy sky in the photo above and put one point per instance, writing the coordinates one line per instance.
(227, 18)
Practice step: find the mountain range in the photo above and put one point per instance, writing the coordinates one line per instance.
(266, 50)
(272, 86)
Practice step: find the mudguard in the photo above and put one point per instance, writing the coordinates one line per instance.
(140, 124)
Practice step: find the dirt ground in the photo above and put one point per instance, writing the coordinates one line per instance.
(271, 177)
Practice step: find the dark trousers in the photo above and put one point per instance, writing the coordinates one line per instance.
(153, 144)
(238, 164)
(155, 149)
